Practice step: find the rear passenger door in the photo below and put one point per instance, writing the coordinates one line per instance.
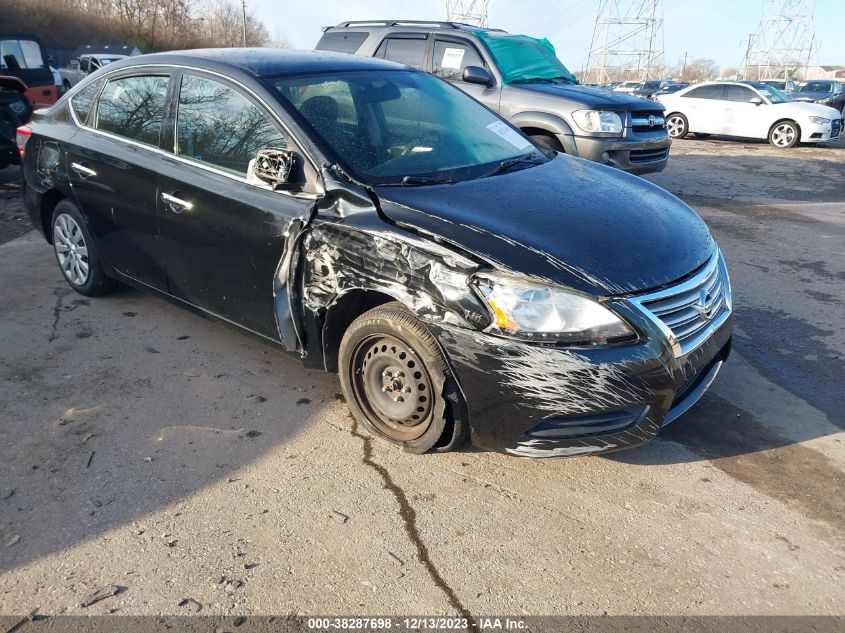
(704, 108)
(450, 56)
(111, 162)
(224, 232)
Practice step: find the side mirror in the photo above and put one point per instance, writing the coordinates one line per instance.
(273, 165)
(477, 75)
(756, 101)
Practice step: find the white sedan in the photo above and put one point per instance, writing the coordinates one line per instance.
(748, 110)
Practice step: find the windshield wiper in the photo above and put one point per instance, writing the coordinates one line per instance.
(416, 181)
(531, 159)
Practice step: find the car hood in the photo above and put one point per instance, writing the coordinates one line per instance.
(587, 95)
(810, 96)
(809, 109)
(569, 221)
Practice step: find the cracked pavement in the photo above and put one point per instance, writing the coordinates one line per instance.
(144, 447)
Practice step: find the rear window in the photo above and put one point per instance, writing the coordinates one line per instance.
(133, 107)
(19, 54)
(403, 50)
(707, 92)
(82, 101)
(341, 42)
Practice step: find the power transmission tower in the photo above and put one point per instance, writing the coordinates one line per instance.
(627, 41)
(784, 41)
(467, 11)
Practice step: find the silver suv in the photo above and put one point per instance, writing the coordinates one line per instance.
(520, 78)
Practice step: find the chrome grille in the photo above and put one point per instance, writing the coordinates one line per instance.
(692, 309)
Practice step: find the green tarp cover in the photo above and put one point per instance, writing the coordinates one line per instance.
(521, 57)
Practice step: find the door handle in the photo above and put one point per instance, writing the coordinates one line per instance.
(83, 171)
(177, 205)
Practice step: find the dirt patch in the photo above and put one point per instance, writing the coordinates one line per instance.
(13, 219)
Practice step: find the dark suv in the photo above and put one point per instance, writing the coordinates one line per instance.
(373, 220)
(520, 78)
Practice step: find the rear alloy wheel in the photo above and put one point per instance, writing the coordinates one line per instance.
(393, 373)
(76, 252)
(784, 134)
(677, 125)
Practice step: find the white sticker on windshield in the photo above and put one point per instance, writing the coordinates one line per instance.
(509, 134)
(452, 58)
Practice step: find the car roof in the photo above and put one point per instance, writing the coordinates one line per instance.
(262, 62)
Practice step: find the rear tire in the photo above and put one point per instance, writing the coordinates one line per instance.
(784, 134)
(547, 141)
(76, 252)
(677, 125)
(394, 377)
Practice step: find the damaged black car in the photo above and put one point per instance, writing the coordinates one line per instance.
(377, 222)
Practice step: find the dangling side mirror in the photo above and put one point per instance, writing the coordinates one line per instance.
(274, 166)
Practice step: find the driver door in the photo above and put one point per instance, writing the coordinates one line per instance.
(223, 232)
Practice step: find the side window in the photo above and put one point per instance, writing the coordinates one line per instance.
(740, 93)
(217, 125)
(707, 92)
(83, 100)
(403, 50)
(133, 107)
(450, 59)
(341, 42)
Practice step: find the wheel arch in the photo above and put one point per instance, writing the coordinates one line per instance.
(339, 316)
(786, 119)
(548, 124)
(49, 200)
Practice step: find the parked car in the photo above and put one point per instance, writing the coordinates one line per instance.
(84, 66)
(520, 78)
(784, 85)
(648, 88)
(669, 88)
(628, 86)
(374, 220)
(823, 91)
(23, 56)
(749, 110)
(15, 110)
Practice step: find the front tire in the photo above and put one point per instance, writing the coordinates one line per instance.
(393, 373)
(677, 125)
(784, 134)
(547, 141)
(76, 252)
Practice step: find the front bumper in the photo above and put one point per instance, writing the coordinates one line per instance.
(636, 155)
(537, 400)
(819, 133)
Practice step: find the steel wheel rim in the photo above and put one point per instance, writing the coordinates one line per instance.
(784, 135)
(675, 126)
(71, 249)
(392, 387)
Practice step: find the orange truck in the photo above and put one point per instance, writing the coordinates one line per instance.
(23, 56)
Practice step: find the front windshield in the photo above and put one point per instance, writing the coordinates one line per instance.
(814, 86)
(773, 94)
(402, 127)
(521, 58)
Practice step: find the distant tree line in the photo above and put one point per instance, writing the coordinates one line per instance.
(151, 25)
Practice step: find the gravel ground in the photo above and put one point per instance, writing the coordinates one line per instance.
(144, 447)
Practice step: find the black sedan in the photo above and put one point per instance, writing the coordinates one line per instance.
(376, 221)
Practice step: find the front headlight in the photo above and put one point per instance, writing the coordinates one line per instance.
(818, 120)
(533, 311)
(598, 121)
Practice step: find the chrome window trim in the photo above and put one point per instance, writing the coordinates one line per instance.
(166, 69)
(679, 349)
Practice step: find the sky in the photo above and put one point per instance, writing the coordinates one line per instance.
(700, 28)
